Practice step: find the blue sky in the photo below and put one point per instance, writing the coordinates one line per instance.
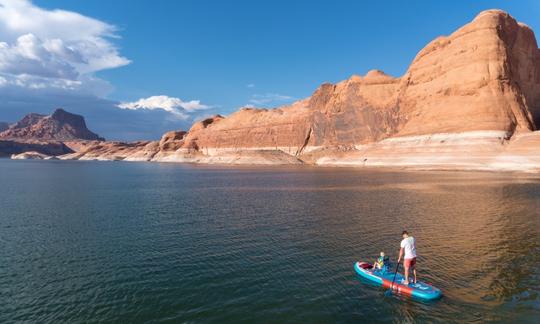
(217, 56)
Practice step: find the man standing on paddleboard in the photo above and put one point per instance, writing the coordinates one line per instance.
(408, 253)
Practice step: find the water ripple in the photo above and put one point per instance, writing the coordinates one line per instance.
(121, 242)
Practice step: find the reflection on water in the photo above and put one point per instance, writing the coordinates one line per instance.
(135, 242)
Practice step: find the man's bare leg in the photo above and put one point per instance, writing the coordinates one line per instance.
(414, 273)
(407, 275)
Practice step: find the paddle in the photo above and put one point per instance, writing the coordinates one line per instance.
(389, 292)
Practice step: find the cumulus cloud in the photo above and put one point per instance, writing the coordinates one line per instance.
(49, 59)
(270, 99)
(175, 106)
(54, 48)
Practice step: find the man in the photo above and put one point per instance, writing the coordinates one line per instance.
(408, 252)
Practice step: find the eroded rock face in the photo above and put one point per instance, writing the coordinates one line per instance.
(171, 141)
(59, 126)
(479, 150)
(283, 128)
(357, 110)
(485, 76)
(112, 151)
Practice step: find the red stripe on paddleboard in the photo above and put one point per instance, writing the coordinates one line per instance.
(398, 287)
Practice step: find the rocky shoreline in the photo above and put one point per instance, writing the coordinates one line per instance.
(484, 151)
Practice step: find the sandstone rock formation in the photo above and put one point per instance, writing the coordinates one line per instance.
(358, 110)
(476, 88)
(111, 151)
(32, 155)
(59, 126)
(10, 147)
(45, 134)
(465, 151)
(158, 152)
(485, 76)
(470, 100)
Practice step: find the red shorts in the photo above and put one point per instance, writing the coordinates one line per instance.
(409, 263)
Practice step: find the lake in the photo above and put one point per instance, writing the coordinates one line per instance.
(150, 242)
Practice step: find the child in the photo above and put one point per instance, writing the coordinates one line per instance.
(382, 263)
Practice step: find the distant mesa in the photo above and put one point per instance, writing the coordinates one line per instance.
(59, 126)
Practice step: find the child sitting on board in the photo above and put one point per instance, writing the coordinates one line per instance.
(382, 263)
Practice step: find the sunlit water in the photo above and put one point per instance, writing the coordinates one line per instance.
(139, 242)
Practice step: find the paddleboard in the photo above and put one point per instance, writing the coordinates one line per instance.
(420, 290)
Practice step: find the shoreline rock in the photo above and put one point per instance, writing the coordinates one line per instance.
(32, 155)
(487, 151)
(10, 147)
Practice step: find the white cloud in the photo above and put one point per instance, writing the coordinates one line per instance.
(54, 48)
(269, 99)
(49, 58)
(175, 106)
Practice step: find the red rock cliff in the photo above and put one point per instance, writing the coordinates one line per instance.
(483, 77)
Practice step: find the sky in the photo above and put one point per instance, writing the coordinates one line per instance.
(136, 69)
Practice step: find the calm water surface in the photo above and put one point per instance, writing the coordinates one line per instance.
(141, 242)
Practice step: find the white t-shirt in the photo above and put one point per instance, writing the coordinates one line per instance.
(409, 246)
